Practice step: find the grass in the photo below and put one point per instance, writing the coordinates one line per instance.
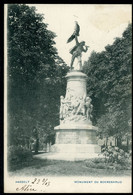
(41, 167)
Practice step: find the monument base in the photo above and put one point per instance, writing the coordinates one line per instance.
(75, 142)
(76, 148)
(75, 134)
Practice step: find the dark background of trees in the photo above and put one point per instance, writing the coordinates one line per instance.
(36, 80)
(109, 86)
(35, 76)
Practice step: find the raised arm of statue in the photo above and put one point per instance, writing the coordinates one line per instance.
(86, 48)
(76, 39)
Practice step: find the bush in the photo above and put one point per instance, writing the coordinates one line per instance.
(117, 158)
(18, 154)
(98, 163)
(114, 158)
(90, 163)
(101, 166)
(98, 160)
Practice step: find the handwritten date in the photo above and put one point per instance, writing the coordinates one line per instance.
(41, 181)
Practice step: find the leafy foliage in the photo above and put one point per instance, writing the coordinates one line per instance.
(35, 74)
(109, 85)
(115, 155)
(114, 158)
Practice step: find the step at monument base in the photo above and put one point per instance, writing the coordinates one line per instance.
(68, 156)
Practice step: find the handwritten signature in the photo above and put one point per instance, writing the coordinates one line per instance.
(26, 188)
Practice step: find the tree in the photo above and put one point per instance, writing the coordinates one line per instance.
(35, 74)
(109, 85)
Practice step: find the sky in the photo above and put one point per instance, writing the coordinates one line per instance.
(99, 24)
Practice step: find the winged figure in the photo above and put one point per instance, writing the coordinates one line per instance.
(75, 33)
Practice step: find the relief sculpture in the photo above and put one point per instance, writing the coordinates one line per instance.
(75, 108)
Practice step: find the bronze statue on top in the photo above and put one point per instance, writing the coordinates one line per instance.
(77, 50)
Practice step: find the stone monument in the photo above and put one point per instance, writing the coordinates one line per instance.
(76, 136)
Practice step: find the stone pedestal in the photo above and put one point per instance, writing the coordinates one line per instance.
(76, 134)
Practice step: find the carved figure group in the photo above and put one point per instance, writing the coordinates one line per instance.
(74, 106)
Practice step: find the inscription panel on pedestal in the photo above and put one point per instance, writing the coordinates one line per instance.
(76, 137)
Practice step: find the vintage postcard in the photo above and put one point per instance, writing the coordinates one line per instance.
(67, 98)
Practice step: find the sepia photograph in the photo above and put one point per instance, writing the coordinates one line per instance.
(67, 98)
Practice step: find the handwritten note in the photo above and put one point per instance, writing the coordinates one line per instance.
(35, 185)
